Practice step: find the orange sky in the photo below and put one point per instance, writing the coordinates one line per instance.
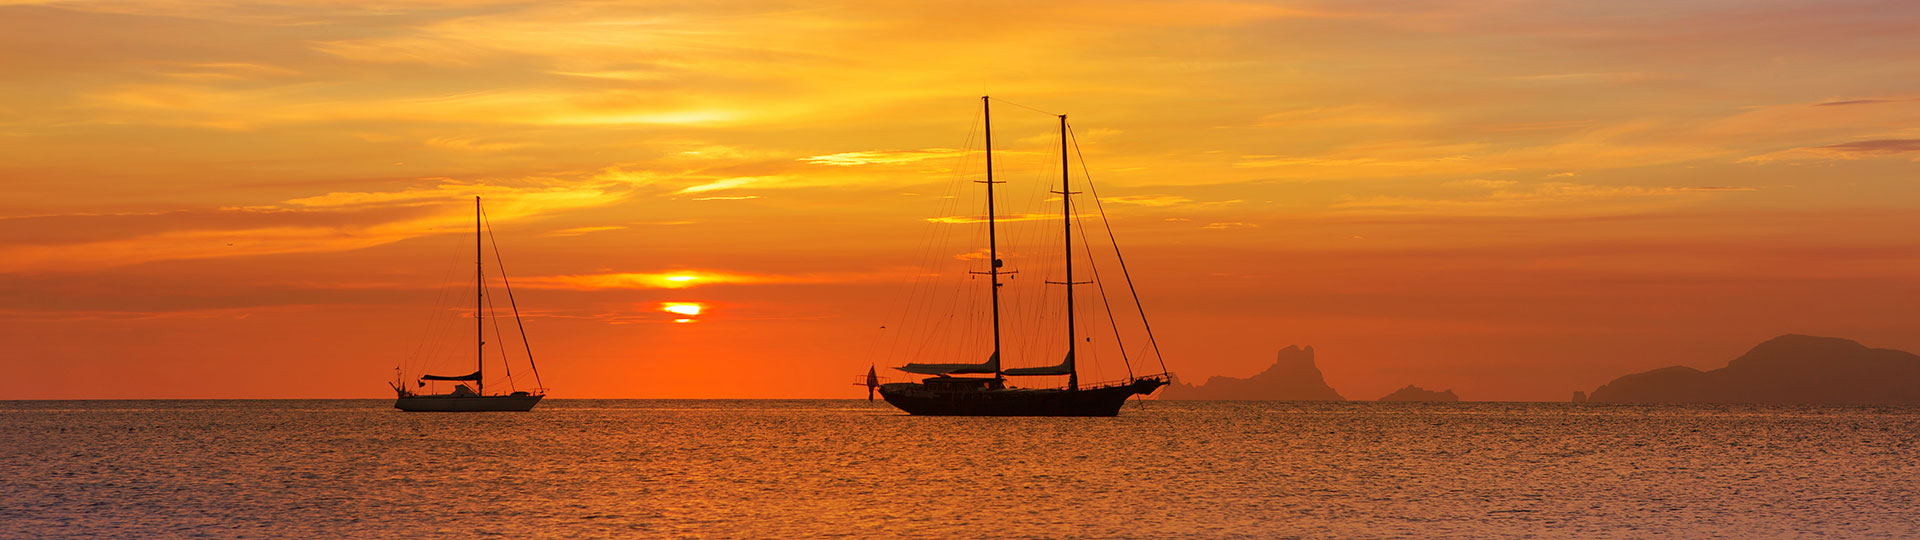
(1513, 200)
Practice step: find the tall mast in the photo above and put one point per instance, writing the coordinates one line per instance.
(479, 290)
(993, 250)
(1066, 218)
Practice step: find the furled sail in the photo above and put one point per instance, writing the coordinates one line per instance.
(990, 366)
(1065, 367)
(468, 377)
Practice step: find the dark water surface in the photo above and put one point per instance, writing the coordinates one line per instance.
(784, 469)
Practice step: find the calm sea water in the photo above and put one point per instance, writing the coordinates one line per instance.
(783, 469)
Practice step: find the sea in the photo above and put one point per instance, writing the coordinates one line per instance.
(859, 469)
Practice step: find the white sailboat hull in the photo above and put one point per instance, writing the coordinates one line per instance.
(450, 403)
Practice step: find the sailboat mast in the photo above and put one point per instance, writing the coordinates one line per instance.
(479, 290)
(993, 250)
(1066, 219)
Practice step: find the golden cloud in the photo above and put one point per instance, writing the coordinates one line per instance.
(881, 157)
(679, 279)
(1546, 196)
(577, 231)
(1148, 200)
(725, 183)
(983, 219)
(337, 224)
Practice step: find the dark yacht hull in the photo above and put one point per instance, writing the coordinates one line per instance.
(448, 403)
(918, 399)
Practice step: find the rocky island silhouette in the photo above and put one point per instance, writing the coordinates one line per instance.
(1415, 393)
(1788, 369)
(1292, 377)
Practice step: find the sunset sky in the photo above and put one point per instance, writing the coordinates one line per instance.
(1510, 199)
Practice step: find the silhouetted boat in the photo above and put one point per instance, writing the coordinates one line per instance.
(474, 398)
(945, 394)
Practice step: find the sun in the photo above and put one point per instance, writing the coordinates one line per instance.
(687, 310)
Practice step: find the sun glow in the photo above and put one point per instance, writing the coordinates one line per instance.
(686, 310)
(676, 279)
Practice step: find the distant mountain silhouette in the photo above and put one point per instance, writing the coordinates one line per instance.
(1292, 377)
(1787, 369)
(1415, 393)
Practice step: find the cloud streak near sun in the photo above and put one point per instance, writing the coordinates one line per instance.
(681, 279)
(334, 221)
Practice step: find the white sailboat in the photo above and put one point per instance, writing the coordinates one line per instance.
(945, 394)
(469, 391)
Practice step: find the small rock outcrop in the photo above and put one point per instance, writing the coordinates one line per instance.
(1415, 393)
(1788, 369)
(1292, 377)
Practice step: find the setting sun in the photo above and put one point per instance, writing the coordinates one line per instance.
(686, 310)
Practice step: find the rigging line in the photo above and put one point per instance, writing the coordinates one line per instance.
(440, 330)
(938, 234)
(937, 327)
(1023, 245)
(1102, 288)
(1084, 171)
(427, 334)
(1030, 238)
(1024, 106)
(498, 338)
(501, 264)
(931, 328)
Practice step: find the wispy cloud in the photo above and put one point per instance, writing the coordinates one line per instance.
(1843, 103)
(1847, 150)
(1480, 183)
(881, 157)
(577, 231)
(1540, 197)
(1149, 200)
(1880, 146)
(677, 279)
(468, 144)
(229, 71)
(983, 218)
(716, 185)
(334, 221)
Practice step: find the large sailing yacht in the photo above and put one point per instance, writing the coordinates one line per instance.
(949, 392)
(469, 391)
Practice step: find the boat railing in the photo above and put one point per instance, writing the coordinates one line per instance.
(1164, 376)
(861, 380)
